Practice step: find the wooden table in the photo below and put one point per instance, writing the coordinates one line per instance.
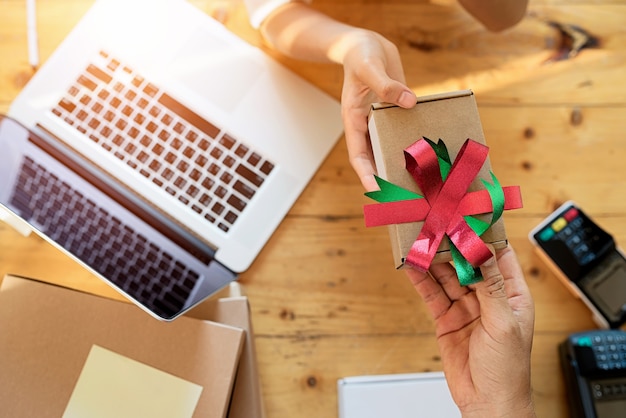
(326, 301)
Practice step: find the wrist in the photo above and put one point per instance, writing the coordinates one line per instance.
(350, 39)
(517, 409)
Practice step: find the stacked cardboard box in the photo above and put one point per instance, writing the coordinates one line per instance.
(47, 333)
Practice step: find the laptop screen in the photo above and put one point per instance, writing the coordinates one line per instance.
(132, 246)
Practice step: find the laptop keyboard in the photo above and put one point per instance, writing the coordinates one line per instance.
(126, 258)
(190, 158)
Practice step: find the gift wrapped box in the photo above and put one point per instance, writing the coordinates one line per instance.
(438, 124)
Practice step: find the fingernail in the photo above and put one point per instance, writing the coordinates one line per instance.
(407, 99)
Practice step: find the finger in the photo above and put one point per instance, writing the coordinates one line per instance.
(518, 293)
(433, 295)
(360, 91)
(357, 140)
(363, 166)
(446, 276)
(365, 171)
(515, 284)
(361, 157)
(494, 307)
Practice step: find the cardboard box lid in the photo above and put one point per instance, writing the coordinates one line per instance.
(47, 331)
(450, 116)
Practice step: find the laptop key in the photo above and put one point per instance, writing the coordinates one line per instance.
(205, 199)
(216, 153)
(230, 217)
(109, 116)
(113, 64)
(220, 192)
(237, 203)
(229, 161)
(189, 115)
(226, 177)
(167, 119)
(98, 73)
(97, 107)
(218, 208)
(103, 94)
(266, 167)
(189, 152)
(87, 82)
(249, 175)
(179, 128)
(254, 159)
(21, 200)
(67, 105)
(138, 81)
(227, 141)
(151, 90)
(241, 150)
(191, 136)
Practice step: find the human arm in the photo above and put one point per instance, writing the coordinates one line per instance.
(372, 70)
(484, 333)
(372, 66)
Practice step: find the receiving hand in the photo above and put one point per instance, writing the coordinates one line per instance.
(484, 333)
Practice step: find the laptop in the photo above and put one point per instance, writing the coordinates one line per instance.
(157, 134)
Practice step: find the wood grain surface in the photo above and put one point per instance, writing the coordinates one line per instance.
(326, 301)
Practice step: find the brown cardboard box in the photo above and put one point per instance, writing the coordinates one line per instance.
(452, 117)
(46, 332)
(234, 310)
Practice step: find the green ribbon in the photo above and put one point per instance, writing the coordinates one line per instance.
(390, 192)
(465, 271)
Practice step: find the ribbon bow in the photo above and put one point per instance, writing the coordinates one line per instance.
(447, 208)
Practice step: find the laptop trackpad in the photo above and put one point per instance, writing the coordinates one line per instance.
(215, 69)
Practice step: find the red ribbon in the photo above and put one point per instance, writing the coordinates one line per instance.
(406, 211)
(444, 204)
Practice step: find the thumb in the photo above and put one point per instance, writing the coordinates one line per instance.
(393, 91)
(387, 89)
(491, 294)
(407, 99)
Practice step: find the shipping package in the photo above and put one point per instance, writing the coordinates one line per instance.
(451, 118)
(233, 309)
(60, 347)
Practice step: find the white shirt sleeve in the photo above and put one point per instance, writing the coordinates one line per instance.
(258, 10)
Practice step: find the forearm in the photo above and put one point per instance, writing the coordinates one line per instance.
(300, 32)
(496, 15)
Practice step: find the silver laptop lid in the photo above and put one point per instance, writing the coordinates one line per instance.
(200, 69)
